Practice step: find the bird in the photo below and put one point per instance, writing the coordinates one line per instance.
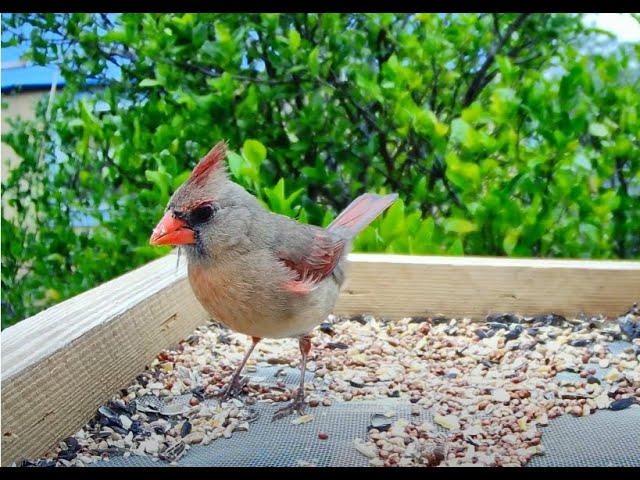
(259, 273)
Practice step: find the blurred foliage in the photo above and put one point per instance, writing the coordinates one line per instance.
(504, 134)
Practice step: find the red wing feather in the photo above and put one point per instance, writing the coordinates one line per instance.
(315, 267)
(327, 249)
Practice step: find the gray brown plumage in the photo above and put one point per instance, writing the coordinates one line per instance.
(260, 273)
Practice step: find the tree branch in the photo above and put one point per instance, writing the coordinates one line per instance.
(386, 157)
(478, 81)
(434, 85)
(496, 26)
(619, 213)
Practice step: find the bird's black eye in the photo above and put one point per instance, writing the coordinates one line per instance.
(202, 214)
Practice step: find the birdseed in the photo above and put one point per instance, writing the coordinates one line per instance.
(492, 387)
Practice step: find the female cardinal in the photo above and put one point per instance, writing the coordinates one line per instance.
(259, 273)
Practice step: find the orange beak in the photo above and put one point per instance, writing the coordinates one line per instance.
(172, 231)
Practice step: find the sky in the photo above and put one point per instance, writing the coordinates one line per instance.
(621, 24)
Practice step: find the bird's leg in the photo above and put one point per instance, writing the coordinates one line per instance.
(298, 403)
(234, 388)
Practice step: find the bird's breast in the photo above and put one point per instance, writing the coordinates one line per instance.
(220, 294)
(257, 305)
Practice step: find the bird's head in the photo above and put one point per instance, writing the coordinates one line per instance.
(208, 211)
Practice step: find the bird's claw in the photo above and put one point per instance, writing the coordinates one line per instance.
(233, 389)
(298, 405)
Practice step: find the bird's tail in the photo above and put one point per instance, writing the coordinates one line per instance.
(360, 213)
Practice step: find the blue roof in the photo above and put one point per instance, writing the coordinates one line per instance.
(17, 75)
(26, 77)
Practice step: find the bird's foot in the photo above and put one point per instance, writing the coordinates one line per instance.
(298, 405)
(233, 389)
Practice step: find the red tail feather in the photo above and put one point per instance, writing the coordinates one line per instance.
(362, 211)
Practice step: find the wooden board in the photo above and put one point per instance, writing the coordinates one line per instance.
(396, 286)
(60, 365)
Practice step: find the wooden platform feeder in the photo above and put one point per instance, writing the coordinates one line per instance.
(61, 364)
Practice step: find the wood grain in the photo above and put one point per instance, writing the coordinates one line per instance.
(396, 286)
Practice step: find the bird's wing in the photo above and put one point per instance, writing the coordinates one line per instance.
(312, 263)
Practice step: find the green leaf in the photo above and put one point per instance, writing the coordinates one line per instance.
(159, 179)
(327, 218)
(393, 221)
(276, 197)
(254, 151)
(149, 82)
(598, 129)
(180, 179)
(294, 40)
(302, 216)
(314, 66)
(456, 248)
(235, 163)
(464, 175)
(459, 225)
(463, 133)
(511, 240)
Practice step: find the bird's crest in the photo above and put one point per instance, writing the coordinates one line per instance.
(211, 162)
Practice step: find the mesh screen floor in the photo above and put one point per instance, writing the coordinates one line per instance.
(606, 438)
